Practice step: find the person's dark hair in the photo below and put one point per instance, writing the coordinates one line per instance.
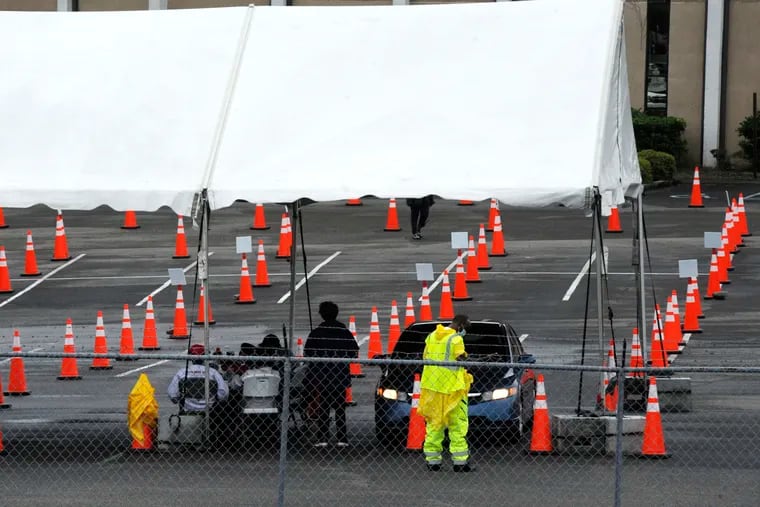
(247, 349)
(328, 310)
(460, 321)
(270, 341)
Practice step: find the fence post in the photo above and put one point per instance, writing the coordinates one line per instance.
(284, 421)
(619, 416)
(755, 147)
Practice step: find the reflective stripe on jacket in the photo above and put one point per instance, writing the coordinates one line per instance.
(443, 344)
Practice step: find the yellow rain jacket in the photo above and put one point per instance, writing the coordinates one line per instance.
(442, 388)
(142, 408)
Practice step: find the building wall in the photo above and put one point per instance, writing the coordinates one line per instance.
(200, 4)
(635, 22)
(112, 5)
(28, 5)
(340, 2)
(743, 67)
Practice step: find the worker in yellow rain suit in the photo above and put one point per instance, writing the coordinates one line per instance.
(443, 396)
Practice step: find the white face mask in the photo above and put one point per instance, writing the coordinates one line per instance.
(462, 333)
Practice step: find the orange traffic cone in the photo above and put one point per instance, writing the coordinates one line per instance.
(697, 298)
(465, 202)
(130, 220)
(5, 277)
(460, 285)
(415, 436)
(30, 264)
(482, 250)
(723, 261)
(101, 346)
(541, 435)
(259, 219)
(714, 289)
(350, 397)
(672, 332)
(426, 313)
(150, 335)
(354, 202)
(299, 347)
(126, 340)
(3, 225)
(179, 331)
(262, 273)
(283, 250)
(245, 296)
(60, 247)
(391, 223)
(375, 341)
(180, 243)
(446, 309)
(147, 442)
(613, 221)
(497, 239)
(696, 191)
(355, 369)
(472, 273)
(2, 398)
(653, 445)
(677, 316)
(409, 314)
(492, 211)
(737, 238)
(394, 329)
(744, 227)
(2, 447)
(637, 360)
(658, 356)
(17, 374)
(610, 394)
(69, 369)
(201, 314)
(691, 312)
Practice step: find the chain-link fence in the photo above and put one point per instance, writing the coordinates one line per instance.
(263, 442)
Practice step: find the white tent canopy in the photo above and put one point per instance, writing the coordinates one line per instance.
(526, 102)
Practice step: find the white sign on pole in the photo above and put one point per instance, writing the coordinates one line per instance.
(459, 241)
(243, 244)
(177, 276)
(424, 272)
(687, 268)
(712, 240)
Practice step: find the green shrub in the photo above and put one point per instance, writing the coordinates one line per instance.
(646, 170)
(746, 132)
(663, 165)
(660, 133)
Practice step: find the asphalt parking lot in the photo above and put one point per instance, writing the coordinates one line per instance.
(78, 429)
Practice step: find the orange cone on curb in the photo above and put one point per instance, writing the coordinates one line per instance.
(637, 360)
(180, 243)
(130, 220)
(610, 394)
(60, 247)
(690, 313)
(409, 313)
(5, 276)
(30, 262)
(126, 340)
(658, 357)
(744, 226)
(492, 211)
(465, 202)
(482, 250)
(738, 239)
(497, 239)
(245, 296)
(446, 309)
(101, 346)
(3, 225)
(714, 289)
(394, 329)
(375, 341)
(200, 316)
(355, 369)
(283, 249)
(460, 285)
(472, 275)
(354, 202)
(653, 444)
(350, 397)
(180, 330)
(697, 298)
(613, 221)
(677, 316)
(426, 313)
(391, 223)
(696, 191)
(672, 332)
(17, 373)
(147, 443)
(150, 335)
(262, 272)
(415, 435)
(69, 368)
(541, 435)
(259, 219)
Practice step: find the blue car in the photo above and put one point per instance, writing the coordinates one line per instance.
(500, 399)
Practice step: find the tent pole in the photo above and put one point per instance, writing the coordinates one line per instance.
(599, 273)
(292, 318)
(642, 272)
(202, 269)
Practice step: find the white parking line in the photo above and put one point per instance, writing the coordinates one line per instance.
(684, 342)
(168, 282)
(37, 282)
(523, 337)
(363, 340)
(33, 350)
(309, 275)
(141, 368)
(584, 272)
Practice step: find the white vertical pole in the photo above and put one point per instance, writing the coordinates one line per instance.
(279, 3)
(156, 5)
(712, 78)
(64, 6)
(400, 2)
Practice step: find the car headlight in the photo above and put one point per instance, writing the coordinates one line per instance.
(499, 394)
(388, 394)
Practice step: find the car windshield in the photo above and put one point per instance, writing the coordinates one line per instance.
(483, 338)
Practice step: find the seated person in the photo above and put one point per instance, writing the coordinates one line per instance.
(194, 397)
(269, 346)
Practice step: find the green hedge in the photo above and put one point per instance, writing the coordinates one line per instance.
(660, 133)
(663, 165)
(746, 132)
(646, 170)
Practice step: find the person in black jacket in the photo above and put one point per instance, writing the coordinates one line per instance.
(420, 210)
(327, 382)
